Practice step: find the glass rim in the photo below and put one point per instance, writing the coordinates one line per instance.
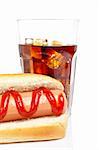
(49, 19)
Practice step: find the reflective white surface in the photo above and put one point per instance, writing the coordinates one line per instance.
(85, 102)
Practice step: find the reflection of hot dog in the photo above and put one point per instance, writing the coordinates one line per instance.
(24, 96)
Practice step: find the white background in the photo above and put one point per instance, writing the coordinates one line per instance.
(84, 116)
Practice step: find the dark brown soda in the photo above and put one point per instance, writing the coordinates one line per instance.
(54, 61)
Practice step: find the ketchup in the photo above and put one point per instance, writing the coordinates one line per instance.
(57, 107)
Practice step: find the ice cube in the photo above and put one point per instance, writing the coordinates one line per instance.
(36, 52)
(39, 67)
(45, 42)
(55, 59)
(56, 43)
(28, 40)
(40, 42)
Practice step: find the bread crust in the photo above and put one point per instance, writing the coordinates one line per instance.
(43, 128)
(28, 82)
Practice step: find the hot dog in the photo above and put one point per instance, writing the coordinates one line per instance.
(44, 108)
(31, 97)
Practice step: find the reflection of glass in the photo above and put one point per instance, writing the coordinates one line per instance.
(48, 47)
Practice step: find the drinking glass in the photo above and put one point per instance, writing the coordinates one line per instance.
(49, 47)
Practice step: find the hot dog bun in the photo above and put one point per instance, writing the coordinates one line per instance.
(28, 82)
(44, 128)
(31, 129)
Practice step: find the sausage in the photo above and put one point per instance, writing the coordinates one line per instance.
(44, 108)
